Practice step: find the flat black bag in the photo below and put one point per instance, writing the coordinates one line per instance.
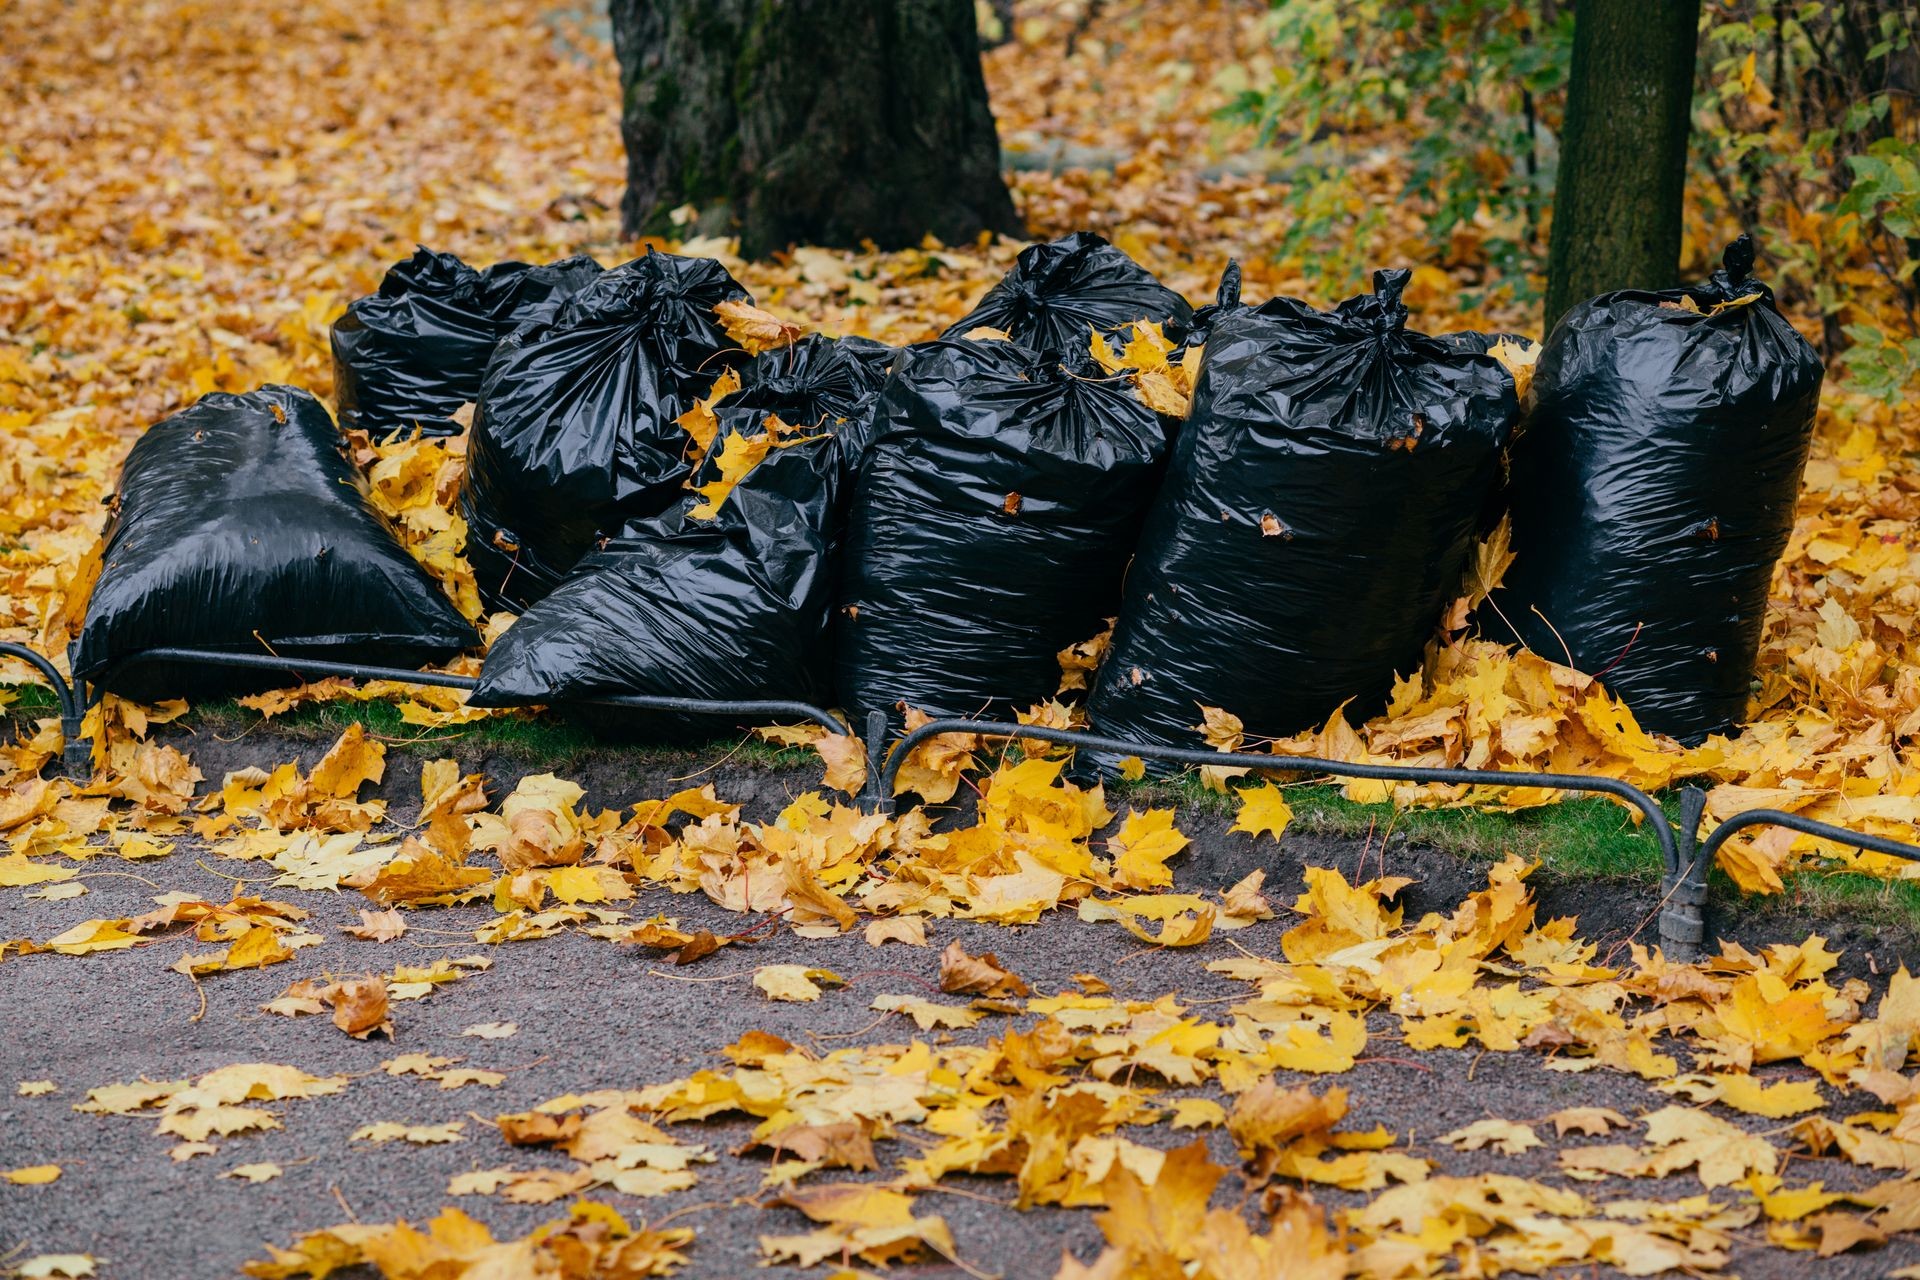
(242, 525)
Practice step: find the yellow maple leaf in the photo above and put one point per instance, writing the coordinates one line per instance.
(794, 982)
(1142, 847)
(738, 455)
(754, 329)
(36, 1175)
(1262, 808)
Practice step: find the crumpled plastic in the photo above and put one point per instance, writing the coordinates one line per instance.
(413, 353)
(1654, 489)
(995, 511)
(576, 430)
(1057, 292)
(1317, 513)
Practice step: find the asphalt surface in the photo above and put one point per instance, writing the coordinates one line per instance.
(595, 1015)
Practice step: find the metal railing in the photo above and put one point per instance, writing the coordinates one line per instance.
(1685, 859)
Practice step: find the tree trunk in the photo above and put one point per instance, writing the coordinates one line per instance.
(1623, 157)
(808, 121)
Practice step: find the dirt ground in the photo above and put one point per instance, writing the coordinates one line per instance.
(594, 1015)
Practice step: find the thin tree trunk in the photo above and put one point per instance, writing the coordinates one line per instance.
(1623, 161)
(808, 121)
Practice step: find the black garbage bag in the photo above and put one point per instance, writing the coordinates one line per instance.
(575, 433)
(241, 524)
(730, 607)
(992, 519)
(1315, 519)
(1654, 489)
(816, 384)
(414, 352)
(1056, 292)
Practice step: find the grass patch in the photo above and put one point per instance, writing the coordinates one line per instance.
(551, 741)
(1586, 837)
(35, 700)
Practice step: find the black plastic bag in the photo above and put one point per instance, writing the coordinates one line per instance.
(1056, 292)
(575, 433)
(414, 352)
(731, 607)
(992, 519)
(817, 383)
(1654, 489)
(1315, 519)
(241, 524)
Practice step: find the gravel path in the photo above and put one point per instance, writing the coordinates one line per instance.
(595, 1015)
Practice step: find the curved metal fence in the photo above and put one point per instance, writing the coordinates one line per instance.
(1685, 859)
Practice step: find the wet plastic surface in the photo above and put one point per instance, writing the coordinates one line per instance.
(416, 351)
(1057, 291)
(993, 518)
(575, 433)
(1654, 489)
(243, 525)
(1316, 516)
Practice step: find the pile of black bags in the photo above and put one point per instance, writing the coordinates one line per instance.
(413, 353)
(926, 529)
(1654, 490)
(725, 604)
(241, 524)
(1315, 518)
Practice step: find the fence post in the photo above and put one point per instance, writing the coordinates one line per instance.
(873, 797)
(1683, 888)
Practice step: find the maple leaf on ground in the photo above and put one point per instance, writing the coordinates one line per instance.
(491, 1030)
(845, 1144)
(926, 1014)
(265, 1171)
(1141, 848)
(1744, 1093)
(1267, 1118)
(1592, 1121)
(1262, 808)
(360, 1006)
(962, 974)
(1184, 920)
(417, 874)
(875, 1224)
(377, 926)
(1504, 1136)
(934, 768)
(1244, 904)
(794, 982)
(909, 930)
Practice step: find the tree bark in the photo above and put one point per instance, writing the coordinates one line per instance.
(1623, 155)
(808, 121)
